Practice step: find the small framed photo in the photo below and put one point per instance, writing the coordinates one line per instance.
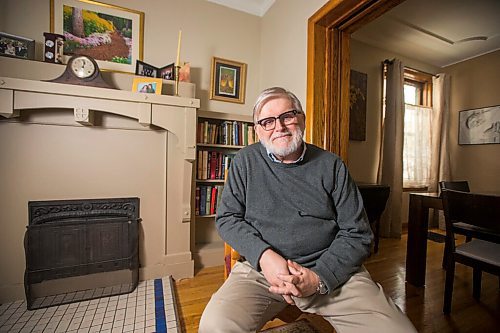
(228, 80)
(17, 47)
(167, 72)
(143, 69)
(147, 85)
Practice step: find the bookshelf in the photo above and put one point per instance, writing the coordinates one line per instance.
(219, 137)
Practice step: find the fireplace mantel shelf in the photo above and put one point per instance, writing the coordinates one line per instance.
(149, 109)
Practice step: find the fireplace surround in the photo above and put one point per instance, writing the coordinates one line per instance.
(80, 249)
(134, 145)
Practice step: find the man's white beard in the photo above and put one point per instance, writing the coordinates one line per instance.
(291, 148)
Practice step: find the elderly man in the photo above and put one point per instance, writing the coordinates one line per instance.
(293, 211)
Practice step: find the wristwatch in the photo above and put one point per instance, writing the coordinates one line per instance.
(322, 289)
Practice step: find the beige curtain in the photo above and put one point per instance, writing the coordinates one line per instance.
(391, 160)
(440, 159)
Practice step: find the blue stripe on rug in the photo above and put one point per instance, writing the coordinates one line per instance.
(161, 324)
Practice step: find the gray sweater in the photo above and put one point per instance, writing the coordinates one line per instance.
(310, 212)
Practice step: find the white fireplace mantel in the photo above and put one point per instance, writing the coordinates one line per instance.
(177, 115)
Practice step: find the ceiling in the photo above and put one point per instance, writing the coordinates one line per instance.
(438, 33)
(254, 7)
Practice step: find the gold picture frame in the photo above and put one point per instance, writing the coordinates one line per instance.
(112, 35)
(228, 80)
(149, 85)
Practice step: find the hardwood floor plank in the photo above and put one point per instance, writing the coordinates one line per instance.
(422, 305)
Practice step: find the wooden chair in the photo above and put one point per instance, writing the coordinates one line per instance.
(457, 185)
(374, 199)
(461, 228)
(482, 214)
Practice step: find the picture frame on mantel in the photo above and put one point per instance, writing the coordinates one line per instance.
(17, 46)
(228, 79)
(147, 85)
(110, 34)
(144, 69)
(479, 126)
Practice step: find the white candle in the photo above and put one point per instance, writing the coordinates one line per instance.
(178, 61)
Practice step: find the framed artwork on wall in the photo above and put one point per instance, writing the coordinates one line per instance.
(16, 46)
(110, 34)
(357, 107)
(228, 80)
(479, 126)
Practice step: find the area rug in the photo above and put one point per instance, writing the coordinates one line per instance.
(299, 326)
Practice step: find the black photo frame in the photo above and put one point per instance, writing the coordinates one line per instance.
(167, 72)
(16, 46)
(144, 69)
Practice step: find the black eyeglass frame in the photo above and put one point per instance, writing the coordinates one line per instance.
(279, 117)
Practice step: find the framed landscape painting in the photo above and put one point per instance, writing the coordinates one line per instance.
(112, 35)
(228, 80)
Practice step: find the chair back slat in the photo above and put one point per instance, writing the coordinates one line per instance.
(475, 209)
(457, 185)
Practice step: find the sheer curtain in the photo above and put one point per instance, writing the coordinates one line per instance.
(391, 157)
(417, 146)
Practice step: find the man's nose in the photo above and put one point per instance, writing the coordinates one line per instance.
(279, 125)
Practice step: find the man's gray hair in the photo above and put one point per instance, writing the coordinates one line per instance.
(273, 93)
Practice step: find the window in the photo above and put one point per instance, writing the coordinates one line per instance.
(417, 129)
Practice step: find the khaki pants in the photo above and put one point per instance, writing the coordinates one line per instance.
(244, 304)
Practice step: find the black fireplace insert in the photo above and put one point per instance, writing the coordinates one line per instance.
(78, 250)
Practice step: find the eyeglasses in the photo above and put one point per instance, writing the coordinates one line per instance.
(286, 118)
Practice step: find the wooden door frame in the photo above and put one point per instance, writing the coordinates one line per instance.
(328, 68)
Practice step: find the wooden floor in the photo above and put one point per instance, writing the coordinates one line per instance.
(423, 306)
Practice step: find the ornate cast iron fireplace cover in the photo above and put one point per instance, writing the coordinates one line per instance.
(80, 249)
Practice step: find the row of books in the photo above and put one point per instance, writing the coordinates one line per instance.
(235, 133)
(207, 197)
(212, 164)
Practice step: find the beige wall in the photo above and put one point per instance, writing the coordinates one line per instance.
(284, 45)
(279, 40)
(363, 155)
(207, 30)
(474, 84)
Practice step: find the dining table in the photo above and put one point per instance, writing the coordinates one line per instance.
(418, 227)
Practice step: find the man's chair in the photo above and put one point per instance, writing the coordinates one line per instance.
(482, 215)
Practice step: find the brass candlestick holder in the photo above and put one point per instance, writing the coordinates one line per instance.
(177, 68)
